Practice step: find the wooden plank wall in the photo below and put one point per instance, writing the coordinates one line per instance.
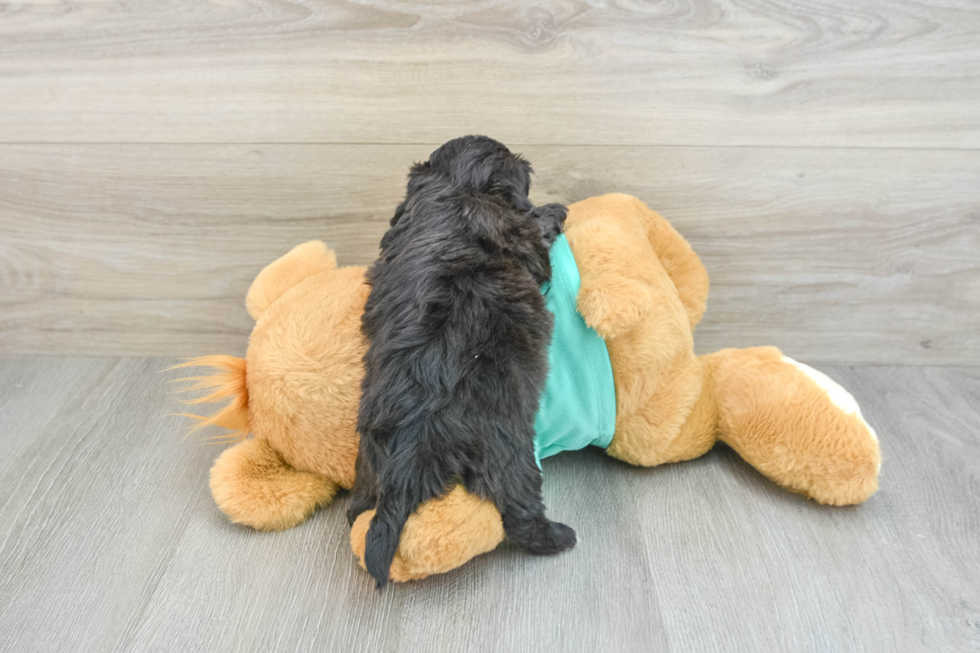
(823, 158)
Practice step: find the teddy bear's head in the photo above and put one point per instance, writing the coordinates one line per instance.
(303, 366)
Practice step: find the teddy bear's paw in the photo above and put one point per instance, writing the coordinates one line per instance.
(441, 535)
(254, 486)
(795, 425)
(614, 304)
(851, 457)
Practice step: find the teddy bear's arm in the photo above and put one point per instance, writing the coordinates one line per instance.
(683, 266)
(623, 248)
(285, 272)
(610, 248)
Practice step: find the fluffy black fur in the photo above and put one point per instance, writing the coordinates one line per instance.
(457, 361)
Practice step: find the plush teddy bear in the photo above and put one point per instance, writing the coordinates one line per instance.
(639, 286)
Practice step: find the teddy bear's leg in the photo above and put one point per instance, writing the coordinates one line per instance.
(794, 424)
(253, 485)
(441, 535)
(677, 422)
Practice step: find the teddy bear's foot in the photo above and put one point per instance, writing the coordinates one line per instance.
(254, 486)
(795, 425)
(441, 535)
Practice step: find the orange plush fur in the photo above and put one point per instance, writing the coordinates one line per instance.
(643, 290)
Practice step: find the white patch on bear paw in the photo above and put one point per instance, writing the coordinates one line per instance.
(837, 394)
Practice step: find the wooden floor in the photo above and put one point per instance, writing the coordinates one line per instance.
(109, 541)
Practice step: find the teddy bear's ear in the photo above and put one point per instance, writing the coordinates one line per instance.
(285, 272)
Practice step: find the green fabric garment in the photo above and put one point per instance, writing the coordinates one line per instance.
(578, 406)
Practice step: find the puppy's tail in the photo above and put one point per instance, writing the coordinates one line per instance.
(398, 498)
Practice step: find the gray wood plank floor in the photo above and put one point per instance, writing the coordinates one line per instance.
(109, 540)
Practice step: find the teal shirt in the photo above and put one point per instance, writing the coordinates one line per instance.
(578, 406)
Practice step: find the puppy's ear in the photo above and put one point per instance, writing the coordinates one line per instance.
(415, 175)
(512, 179)
(524, 171)
(399, 212)
(526, 165)
(419, 168)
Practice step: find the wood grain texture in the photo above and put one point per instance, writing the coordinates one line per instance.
(685, 72)
(109, 541)
(831, 254)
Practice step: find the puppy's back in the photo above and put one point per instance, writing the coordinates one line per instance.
(458, 336)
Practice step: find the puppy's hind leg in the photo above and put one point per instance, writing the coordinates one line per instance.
(360, 503)
(517, 494)
(364, 494)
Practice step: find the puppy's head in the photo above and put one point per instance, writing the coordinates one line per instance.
(480, 164)
(477, 164)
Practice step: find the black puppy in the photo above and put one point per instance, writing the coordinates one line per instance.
(457, 361)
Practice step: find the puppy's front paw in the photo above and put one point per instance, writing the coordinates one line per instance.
(551, 219)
